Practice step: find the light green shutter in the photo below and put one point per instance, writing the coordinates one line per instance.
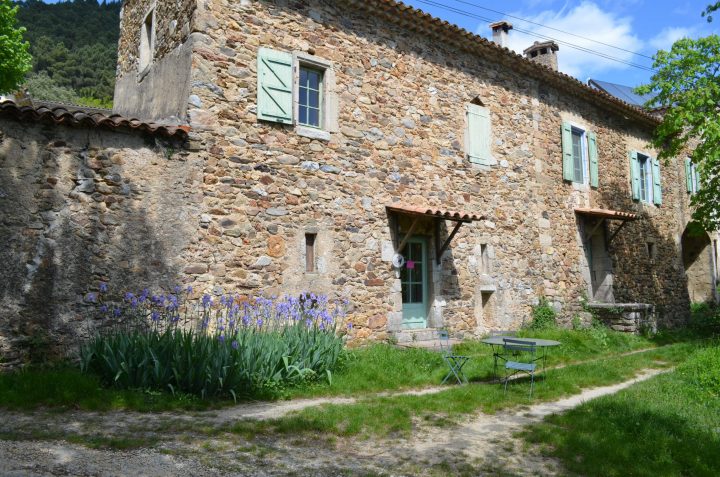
(635, 175)
(592, 152)
(479, 135)
(567, 152)
(657, 188)
(275, 78)
(688, 174)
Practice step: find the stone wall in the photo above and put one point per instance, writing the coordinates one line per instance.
(401, 117)
(80, 206)
(161, 90)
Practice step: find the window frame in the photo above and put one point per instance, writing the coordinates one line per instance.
(646, 178)
(694, 179)
(147, 40)
(321, 96)
(328, 103)
(584, 153)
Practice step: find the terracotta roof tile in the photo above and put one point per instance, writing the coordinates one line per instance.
(415, 19)
(607, 214)
(434, 212)
(76, 117)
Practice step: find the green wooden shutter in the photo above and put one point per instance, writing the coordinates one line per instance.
(479, 135)
(657, 188)
(635, 175)
(275, 79)
(688, 174)
(592, 152)
(567, 152)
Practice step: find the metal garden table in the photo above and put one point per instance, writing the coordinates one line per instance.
(497, 343)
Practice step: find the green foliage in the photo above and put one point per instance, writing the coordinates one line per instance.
(15, 60)
(704, 318)
(41, 86)
(687, 83)
(543, 316)
(666, 426)
(80, 59)
(709, 10)
(67, 387)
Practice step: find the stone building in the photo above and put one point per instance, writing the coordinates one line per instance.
(361, 149)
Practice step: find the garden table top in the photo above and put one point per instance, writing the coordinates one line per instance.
(539, 342)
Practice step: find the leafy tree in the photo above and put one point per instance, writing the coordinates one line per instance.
(41, 86)
(687, 85)
(14, 57)
(713, 7)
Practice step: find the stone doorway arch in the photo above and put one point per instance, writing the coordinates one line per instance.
(697, 257)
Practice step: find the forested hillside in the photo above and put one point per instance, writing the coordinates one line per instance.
(74, 49)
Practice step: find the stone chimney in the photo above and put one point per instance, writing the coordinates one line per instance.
(543, 53)
(500, 32)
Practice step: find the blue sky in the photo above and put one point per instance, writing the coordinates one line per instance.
(640, 26)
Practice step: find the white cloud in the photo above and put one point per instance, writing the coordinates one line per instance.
(588, 20)
(668, 36)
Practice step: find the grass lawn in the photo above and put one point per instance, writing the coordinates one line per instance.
(398, 414)
(377, 368)
(666, 426)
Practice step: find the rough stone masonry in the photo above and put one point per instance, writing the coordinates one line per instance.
(233, 207)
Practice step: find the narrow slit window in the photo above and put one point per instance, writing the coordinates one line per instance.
(147, 40)
(484, 259)
(310, 252)
(651, 250)
(310, 100)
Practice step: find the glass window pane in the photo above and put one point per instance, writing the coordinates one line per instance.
(303, 97)
(577, 156)
(303, 113)
(405, 294)
(417, 272)
(314, 79)
(314, 99)
(313, 117)
(303, 76)
(417, 295)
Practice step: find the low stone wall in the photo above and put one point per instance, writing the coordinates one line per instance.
(627, 317)
(80, 206)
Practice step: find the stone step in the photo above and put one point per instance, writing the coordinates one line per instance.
(415, 335)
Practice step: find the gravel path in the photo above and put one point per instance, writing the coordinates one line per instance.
(37, 444)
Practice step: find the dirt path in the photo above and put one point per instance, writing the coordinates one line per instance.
(484, 444)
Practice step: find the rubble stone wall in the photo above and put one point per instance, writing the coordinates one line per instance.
(78, 207)
(401, 121)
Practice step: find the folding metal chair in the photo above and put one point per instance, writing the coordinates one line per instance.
(519, 349)
(455, 362)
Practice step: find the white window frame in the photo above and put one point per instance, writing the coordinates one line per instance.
(646, 178)
(585, 180)
(694, 182)
(328, 101)
(146, 41)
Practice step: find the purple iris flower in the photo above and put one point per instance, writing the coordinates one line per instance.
(235, 344)
(91, 297)
(103, 287)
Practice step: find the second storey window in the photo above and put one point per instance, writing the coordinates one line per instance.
(580, 157)
(691, 176)
(297, 89)
(310, 98)
(645, 178)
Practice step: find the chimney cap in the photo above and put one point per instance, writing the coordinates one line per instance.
(551, 45)
(501, 25)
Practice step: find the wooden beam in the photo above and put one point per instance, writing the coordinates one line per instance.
(616, 232)
(408, 234)
(444, 247)
(588, 237)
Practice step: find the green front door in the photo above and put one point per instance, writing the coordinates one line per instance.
(414, 278)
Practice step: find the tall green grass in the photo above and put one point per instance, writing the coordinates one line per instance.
(666, 426)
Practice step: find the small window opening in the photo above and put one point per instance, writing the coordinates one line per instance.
(484, 259)
(651, 250)
(147, 40)
(310, 252)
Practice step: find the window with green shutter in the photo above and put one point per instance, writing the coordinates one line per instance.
(275, 86)
(580, 159)
(692, 178)
(478, 135)
(645, 176)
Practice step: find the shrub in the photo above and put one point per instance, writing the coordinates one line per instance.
(543, 316)
(231, 347)
(705, 317)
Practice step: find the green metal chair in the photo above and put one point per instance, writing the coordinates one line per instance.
(455, 362)
(521, 359)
